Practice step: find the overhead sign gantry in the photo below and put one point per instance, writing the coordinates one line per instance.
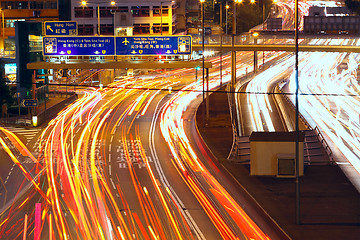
(78, 46)
(122, 46)
(112, 46)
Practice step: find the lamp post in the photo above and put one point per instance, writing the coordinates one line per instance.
(221, 39)
(233, 65)
(226, 20)
(84, 3)
(161, 30)
(263, 11)
(3, 29)
(203, 57)
(233, 53)
(113, 12)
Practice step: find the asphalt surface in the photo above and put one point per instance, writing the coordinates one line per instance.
(329, 203)
(13, 179)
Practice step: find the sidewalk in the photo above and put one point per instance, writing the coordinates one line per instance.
(54, 104)
(329, 203)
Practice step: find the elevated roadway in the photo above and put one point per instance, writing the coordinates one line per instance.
(278, 47)
(118, 65)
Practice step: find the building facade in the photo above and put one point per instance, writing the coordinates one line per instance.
(146, 17)
(19, 10)
(331, 20)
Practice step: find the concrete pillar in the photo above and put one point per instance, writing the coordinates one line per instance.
(207, 94)
(255, 61)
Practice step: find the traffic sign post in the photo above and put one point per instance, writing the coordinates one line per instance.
(58, 28)
(78, 46)
(153, 45)
(29, 102)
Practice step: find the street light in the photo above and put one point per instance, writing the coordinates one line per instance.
(3, 29)
(226, 13)
(263, 10)
(221, 37)
(113, 12)
(203, 57)
(84, 3)
(234, 30)
(233, 64)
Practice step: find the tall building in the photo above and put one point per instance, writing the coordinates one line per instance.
(145, 17)
(20, 10)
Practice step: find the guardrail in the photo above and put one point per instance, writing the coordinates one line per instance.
(261, 38)
(319, 135)
(53, 110)
(324, 142)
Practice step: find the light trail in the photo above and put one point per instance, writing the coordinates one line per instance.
(331, 101)
(74, 159)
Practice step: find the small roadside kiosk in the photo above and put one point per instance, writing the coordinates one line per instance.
(273, 154)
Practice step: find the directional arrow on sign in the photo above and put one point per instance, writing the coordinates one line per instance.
(29, 102)
(49, 28)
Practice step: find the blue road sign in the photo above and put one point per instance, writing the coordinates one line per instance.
(75, 46)
(30, 102)
(61, 28)
(153, 45)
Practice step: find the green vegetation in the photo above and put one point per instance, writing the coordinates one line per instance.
(353, 5)
(5, 95)
(248, 14)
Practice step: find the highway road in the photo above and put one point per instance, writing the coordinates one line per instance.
(125, 162)
(329, 100)
(117, 167)
(109, 173)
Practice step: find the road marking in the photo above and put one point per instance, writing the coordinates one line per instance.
(12, 168)
(29, 134)
(112, 183)
(110, 169)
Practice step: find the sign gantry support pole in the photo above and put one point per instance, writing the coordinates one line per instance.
(203, 57)
(221, 39)
(207, 94)
(233, 69)
(297, 162)
(33, 87)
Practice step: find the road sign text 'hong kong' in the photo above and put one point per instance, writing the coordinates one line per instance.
(105, 46)
(77, 46)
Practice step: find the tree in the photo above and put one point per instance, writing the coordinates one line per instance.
(248, 15)
(5, 95)
(354, 6)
